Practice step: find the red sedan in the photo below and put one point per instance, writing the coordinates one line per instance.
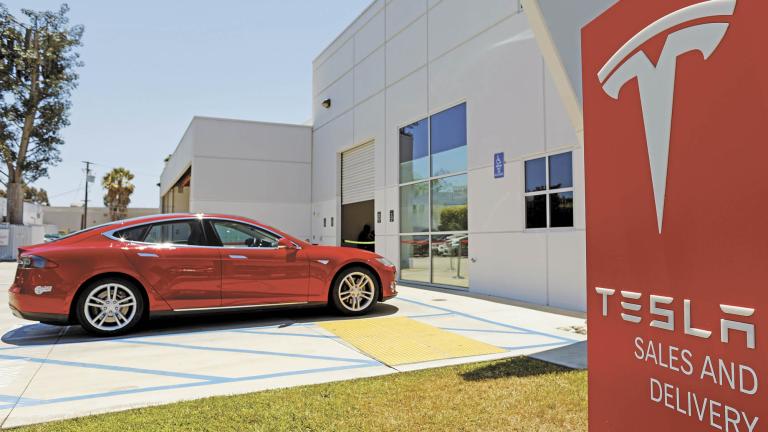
(111, 277)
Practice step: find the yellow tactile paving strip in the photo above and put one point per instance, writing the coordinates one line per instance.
(401, 340)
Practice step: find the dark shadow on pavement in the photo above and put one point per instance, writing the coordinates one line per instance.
(520, 367)
(44, 334)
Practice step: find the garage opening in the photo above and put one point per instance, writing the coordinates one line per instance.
(176, 200)
(357, 196)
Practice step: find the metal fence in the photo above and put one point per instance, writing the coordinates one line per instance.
(12, 237)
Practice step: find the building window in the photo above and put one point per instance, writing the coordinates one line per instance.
(449, 204)
(549, 192)
(449, 259)
(434, 242)
(414, 208)
(414, 152)
(448, 141)
(414, 258)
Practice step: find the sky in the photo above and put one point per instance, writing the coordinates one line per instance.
(150, 66)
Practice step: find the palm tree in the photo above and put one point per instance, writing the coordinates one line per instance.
(119, 188)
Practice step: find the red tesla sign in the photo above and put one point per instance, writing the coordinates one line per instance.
(676, 131)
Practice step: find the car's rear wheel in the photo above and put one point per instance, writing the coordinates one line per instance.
(110, 307)
(355, 291)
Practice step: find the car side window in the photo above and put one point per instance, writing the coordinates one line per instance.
(188, 232)
(237, 235)
(135, 234)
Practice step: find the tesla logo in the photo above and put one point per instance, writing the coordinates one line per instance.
(42, 289)
(657, 83)
(660, 307)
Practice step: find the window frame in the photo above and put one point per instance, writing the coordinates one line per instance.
(547, 191)
(206, 232)
(428, 180)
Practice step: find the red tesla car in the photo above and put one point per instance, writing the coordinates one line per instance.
(111, 277)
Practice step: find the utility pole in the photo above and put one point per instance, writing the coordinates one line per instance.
(88, 179)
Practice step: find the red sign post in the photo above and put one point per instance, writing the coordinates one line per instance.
(676, 142)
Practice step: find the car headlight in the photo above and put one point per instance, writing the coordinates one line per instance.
(385, 261)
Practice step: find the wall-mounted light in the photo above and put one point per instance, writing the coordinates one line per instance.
(326, 103)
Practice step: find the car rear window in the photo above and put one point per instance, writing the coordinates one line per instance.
(133, 234)
(82, 231)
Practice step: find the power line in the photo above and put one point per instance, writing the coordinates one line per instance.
(67, 192)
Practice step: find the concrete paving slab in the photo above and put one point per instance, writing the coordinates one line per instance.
(49, 372)
(572, 356)
(117, 400)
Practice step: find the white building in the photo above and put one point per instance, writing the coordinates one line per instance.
(255, 169)
(412, 104)
(32, 214)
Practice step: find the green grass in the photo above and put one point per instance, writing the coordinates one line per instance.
(519, 394)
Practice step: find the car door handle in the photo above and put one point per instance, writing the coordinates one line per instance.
(238, 256)
(147, 255)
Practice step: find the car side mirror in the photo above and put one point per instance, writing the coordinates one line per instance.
(284, 243)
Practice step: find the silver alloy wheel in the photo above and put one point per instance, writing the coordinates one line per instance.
(356, 291)
(110, 307)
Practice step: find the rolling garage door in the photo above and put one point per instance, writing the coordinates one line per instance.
(357, 174)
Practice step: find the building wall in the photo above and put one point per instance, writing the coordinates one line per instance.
(403, 60)
(176, 200)
(67, 219)
(33, 213)
(252, 169)
(180, 160)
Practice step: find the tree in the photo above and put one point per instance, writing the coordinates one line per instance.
(119, 189)
(31, 194)
(35, 195)
(453, 218)
(38, 60)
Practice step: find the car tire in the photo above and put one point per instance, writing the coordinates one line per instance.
(355, 291)
(110, 307)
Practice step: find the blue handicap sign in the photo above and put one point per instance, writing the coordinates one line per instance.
(498, 165)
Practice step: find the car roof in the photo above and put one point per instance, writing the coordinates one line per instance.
(168, 216)
(125, 223)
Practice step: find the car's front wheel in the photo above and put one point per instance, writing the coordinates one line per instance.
(355, 291)
(110, 307)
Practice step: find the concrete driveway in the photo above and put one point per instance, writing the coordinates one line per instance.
(49, 372)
